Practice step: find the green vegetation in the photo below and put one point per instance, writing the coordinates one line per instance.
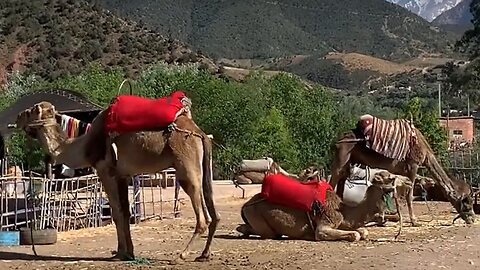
(53, 38)
(279, 116)
(262, 29)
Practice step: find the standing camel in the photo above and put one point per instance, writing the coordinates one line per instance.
(117, 158)
(400, 148)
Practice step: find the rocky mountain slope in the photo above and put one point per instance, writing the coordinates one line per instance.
(261, 29)
(427, 9)
(459, 15)
(52, 38)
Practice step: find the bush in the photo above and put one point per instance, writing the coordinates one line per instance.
(278, 117)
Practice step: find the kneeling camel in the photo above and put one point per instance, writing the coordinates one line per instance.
(337, 221)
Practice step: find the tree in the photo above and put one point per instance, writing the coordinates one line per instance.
(470, 41)
(427, 122)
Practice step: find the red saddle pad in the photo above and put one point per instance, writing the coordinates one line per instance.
(133, 113)
(286, 191)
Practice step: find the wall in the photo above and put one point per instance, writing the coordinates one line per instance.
(460, 129)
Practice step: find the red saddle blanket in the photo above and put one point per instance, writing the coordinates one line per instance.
(283, 190)
(133, 113)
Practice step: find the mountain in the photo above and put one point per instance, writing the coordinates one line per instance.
(459, 15)
(260, 29)
(52, 38)
(427, 9)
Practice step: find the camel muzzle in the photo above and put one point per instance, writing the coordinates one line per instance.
(468, 217)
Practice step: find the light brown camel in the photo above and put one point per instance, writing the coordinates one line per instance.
(337, 221)
(352, 148)
(186, 148)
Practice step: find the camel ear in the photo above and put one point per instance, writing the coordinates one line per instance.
(37, 108)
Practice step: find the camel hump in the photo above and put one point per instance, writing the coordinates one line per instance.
(366, 117)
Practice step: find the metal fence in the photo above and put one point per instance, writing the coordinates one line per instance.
(462, 164)
(80, 202)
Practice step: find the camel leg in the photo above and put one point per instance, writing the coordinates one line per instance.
(341, 166)
(258, 224)
(125, 208)
(191, 184)
(326, 233)
(212, 227)
(111, 188)
(412, 176)
(363, 233)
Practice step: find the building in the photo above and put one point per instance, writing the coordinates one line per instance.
(461, 130)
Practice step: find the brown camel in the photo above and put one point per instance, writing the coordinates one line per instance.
(116, 159)
(352, 148)
(336, 222)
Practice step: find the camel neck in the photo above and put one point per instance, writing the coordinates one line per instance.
(52, 139)
(450, 189)
(356, 216)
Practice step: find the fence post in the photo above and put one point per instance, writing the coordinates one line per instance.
(136, 193)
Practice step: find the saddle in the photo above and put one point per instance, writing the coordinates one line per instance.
(309, 196)
(130, 113)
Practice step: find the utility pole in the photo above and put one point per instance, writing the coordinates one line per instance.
(439, 98)
(468, 104)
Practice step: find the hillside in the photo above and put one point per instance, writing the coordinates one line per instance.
(56, 37)
(427, 9)
(262, 29)
(459, 15)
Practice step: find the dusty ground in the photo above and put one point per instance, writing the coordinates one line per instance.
(434, 245)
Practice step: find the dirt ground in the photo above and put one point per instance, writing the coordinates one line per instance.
(435, 245)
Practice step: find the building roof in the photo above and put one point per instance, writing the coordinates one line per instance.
(457, 117)
(64, 101)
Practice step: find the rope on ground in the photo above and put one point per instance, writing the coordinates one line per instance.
(426, 203)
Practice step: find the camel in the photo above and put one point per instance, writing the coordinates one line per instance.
(117, 158)
(352, 148)
(337, 221)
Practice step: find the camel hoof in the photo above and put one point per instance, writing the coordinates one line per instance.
(355, 236)
(177, 261)
(120, 256)
(415, 224)
(202, 258)
(244, 229)
(363, 233)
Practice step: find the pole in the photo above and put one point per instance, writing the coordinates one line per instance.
(468, 104)
(439, 99)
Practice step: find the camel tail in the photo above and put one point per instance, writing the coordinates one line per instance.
(207, 181)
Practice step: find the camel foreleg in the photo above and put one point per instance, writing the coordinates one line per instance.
(325, 233)
(118, 199)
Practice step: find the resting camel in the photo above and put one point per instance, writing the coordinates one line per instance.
(116, 159)
(382, 147)
(338, 221)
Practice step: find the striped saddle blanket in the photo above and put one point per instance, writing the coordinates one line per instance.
(391, 138)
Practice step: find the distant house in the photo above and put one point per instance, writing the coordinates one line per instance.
(461, 130)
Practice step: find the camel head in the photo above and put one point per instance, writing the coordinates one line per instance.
(384, 181)
(35, 119)
(464, 207)
(309, 173)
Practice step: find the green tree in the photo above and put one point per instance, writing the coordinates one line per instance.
(427, 122)
(271, 137)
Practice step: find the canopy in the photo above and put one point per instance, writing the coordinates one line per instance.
(65, 101)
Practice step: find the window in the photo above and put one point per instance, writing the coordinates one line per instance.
(458, 132)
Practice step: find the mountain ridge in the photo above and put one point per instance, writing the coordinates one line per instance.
(427, 9)
(224, 29)
(459, 15)
(52, 38)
